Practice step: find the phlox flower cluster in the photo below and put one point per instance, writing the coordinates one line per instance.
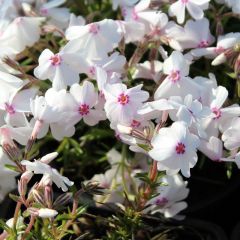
(88, 79)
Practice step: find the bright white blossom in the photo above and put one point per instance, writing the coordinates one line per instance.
(175, 148)
(49, 174)
(177, 82)
(194, 7)
(60, 68)
(122, 103)
(84, 104)
(91, 36)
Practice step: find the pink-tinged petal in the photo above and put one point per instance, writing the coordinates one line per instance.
(94, 117)
(44, 71)
(84, 94)
(142, 5)
(113, 90)
(231, 111)
(195, 11)
(89, 95)
(179, 130)
(75, 32)
(21, 100)
(62, 75)
(220, 94)
(178, 9)
(45, 56)
(207, 52)
(102, 78)
(201, 3)
(184, 115)
(16, 119)
(212, 149)
(175, 209)
(176, 62)
(60, 131)
(164, 89)
(161, 154)
(137, 95)
(109, 29)
(21, 134)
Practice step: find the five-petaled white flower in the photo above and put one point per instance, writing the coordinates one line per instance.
(121, 103)
(194, 7)
(49, 174)
(175, 148)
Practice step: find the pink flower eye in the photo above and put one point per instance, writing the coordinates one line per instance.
(94, 28)
(92, 70)
(56, 60)
(161, 201)
(219, 50)
(44, 11)
(217, 113)
(83, 109)
(9, 108)
(184, 1)
(135, 123)
(180, 148)
(174, 76)
(123, 99)
(134, 15)
(203, 44)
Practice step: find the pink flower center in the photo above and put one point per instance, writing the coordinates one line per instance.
(174, 76)
(44, 11)
(94, 28)
(161, 201)
(92, 70)
(203, 44)
(219, 50)
(10, 109)
(156, 31)
(217, 113)
(124, 11)
(135, 15)
(180, 148)
(135, 123)
(184, 1)
(56, 60)
(123, 99)
(83, 109)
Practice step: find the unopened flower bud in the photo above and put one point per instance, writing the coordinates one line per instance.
(49, 157)
(47, 213)
(38, 197)
(221, 58)
(48, 195)
(22, 187)
(43, 212)
(27, 176)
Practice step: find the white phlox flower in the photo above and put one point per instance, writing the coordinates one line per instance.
(171, 195)
(175, 148)
(93, 35)
(83, 105)
(49, 174)
(194, 7)
(177, 82)
(61, 68)
(121, 103)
